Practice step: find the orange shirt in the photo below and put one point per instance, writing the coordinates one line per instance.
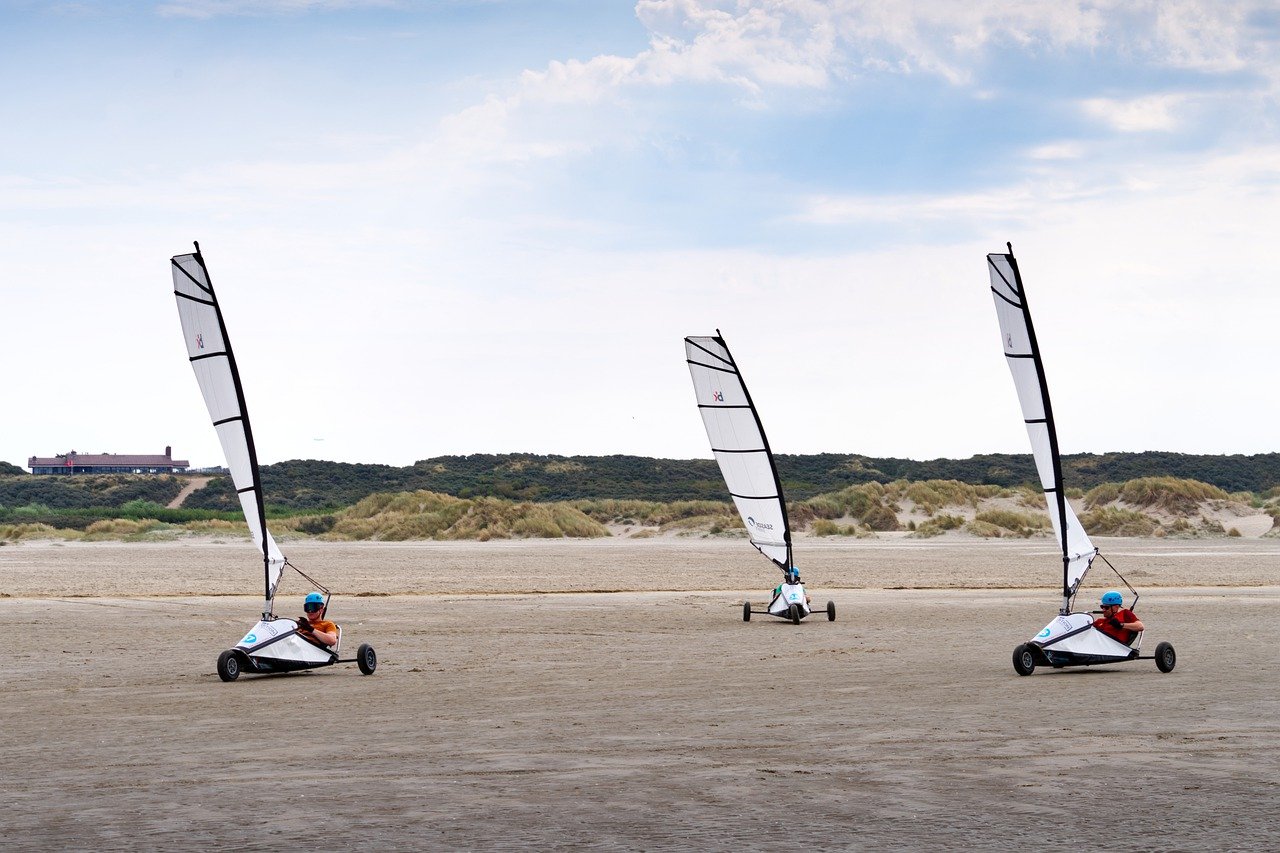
(321, 625)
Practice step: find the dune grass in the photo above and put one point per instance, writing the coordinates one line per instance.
(400, 516)
(1012, 522)
(1118, 521)
(937, 525)
(1171, 494)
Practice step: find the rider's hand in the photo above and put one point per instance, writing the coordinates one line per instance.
(304, 624)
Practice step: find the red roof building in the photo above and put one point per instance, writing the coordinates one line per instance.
(108, 463)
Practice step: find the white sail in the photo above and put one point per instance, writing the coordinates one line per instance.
(215, 367)
(1023, 356)
(739, 445)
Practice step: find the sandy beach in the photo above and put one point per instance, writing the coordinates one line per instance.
(557, 694)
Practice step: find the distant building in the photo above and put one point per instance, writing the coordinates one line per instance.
(108, 463)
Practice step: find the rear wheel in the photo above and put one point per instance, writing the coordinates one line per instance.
(746, 611)
(1166, 658)
(831, 611)
(366, 659)
(228, 666)
(794, 612)
(1024, 660)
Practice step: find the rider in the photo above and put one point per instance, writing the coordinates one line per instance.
(313, 625)
(1117, 622)
(791, 576)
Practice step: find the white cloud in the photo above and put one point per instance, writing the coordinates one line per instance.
(1136, 115)
(1057, 151)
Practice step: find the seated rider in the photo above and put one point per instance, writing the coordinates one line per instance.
(313, 625)
(1115, 621)
(791, 576)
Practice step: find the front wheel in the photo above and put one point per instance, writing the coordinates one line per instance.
(228, 666)
(794, 612)
(746, 611)
(366, 659)
(1166, 658)
(1024, 660)
(831, 611)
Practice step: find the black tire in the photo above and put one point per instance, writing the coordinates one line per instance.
(366, 659)
(794, 612)
(746, 611)
(831, 611)
(1166, 657)
(228, 666)
(1024, 659)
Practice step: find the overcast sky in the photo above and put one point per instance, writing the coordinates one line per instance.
(459, 226)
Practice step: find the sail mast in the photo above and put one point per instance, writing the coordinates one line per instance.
(238, 444)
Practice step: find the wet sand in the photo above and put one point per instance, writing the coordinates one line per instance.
(509, 710)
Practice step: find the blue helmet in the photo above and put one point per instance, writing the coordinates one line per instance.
(313, 598)
(792, 575)
(1111, 597)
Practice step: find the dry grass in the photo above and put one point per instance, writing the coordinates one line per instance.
(938, 525)
(18, 532)
(394, 517)
(933, 495)
(1118, 521)
(1012, 522)
(1173, 495)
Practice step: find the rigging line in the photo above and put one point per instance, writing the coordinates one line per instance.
(189, 275)
(1098, 553)
(1005, 298)
(693, 343)
(712, 367)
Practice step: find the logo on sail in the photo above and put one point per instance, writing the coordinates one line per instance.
(718, 396)
(760, 524)
(199, 340)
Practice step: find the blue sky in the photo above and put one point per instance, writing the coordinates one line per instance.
(454, 227)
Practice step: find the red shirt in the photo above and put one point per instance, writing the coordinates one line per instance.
(1112, 625)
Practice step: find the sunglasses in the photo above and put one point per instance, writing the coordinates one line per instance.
(312, 606)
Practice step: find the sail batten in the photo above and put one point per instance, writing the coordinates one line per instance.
(740, 447)
(1022, 355)
(213, 362)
